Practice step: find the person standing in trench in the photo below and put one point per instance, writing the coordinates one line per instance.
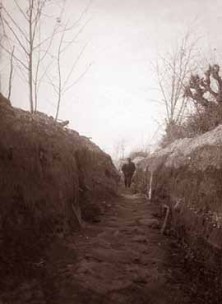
(128, 170)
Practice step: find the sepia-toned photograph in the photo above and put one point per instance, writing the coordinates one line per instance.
(110, 152)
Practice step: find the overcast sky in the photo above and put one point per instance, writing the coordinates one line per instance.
(113, 102)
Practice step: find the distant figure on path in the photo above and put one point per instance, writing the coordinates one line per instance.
(128, 171)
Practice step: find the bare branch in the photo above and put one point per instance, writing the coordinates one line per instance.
(175, 67)
(20, 10)
(24, 35)
(15, 35)
(78, 79)
(51, 82)
(75, 36)
(74, 66)
(14, 56)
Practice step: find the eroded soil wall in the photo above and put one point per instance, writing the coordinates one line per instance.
(187, 177)
(50, 178)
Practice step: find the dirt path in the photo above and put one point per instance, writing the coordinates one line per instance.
(122, 259)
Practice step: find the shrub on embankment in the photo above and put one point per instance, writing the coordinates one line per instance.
(203, 93)
(51, 178)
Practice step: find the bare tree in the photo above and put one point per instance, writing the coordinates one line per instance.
(63, 82)
(33, 49)
(21, 30)
(172, 71)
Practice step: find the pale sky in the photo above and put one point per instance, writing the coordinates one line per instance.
(113, 101)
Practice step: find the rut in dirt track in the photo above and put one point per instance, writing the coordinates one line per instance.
(122, 259)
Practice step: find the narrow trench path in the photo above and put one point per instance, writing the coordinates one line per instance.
(122, 259)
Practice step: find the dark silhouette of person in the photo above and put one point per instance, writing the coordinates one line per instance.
(128, 170)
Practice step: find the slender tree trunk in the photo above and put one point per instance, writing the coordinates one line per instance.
(30, 59)
(59, 90)
(11, 74)
(60, 77)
